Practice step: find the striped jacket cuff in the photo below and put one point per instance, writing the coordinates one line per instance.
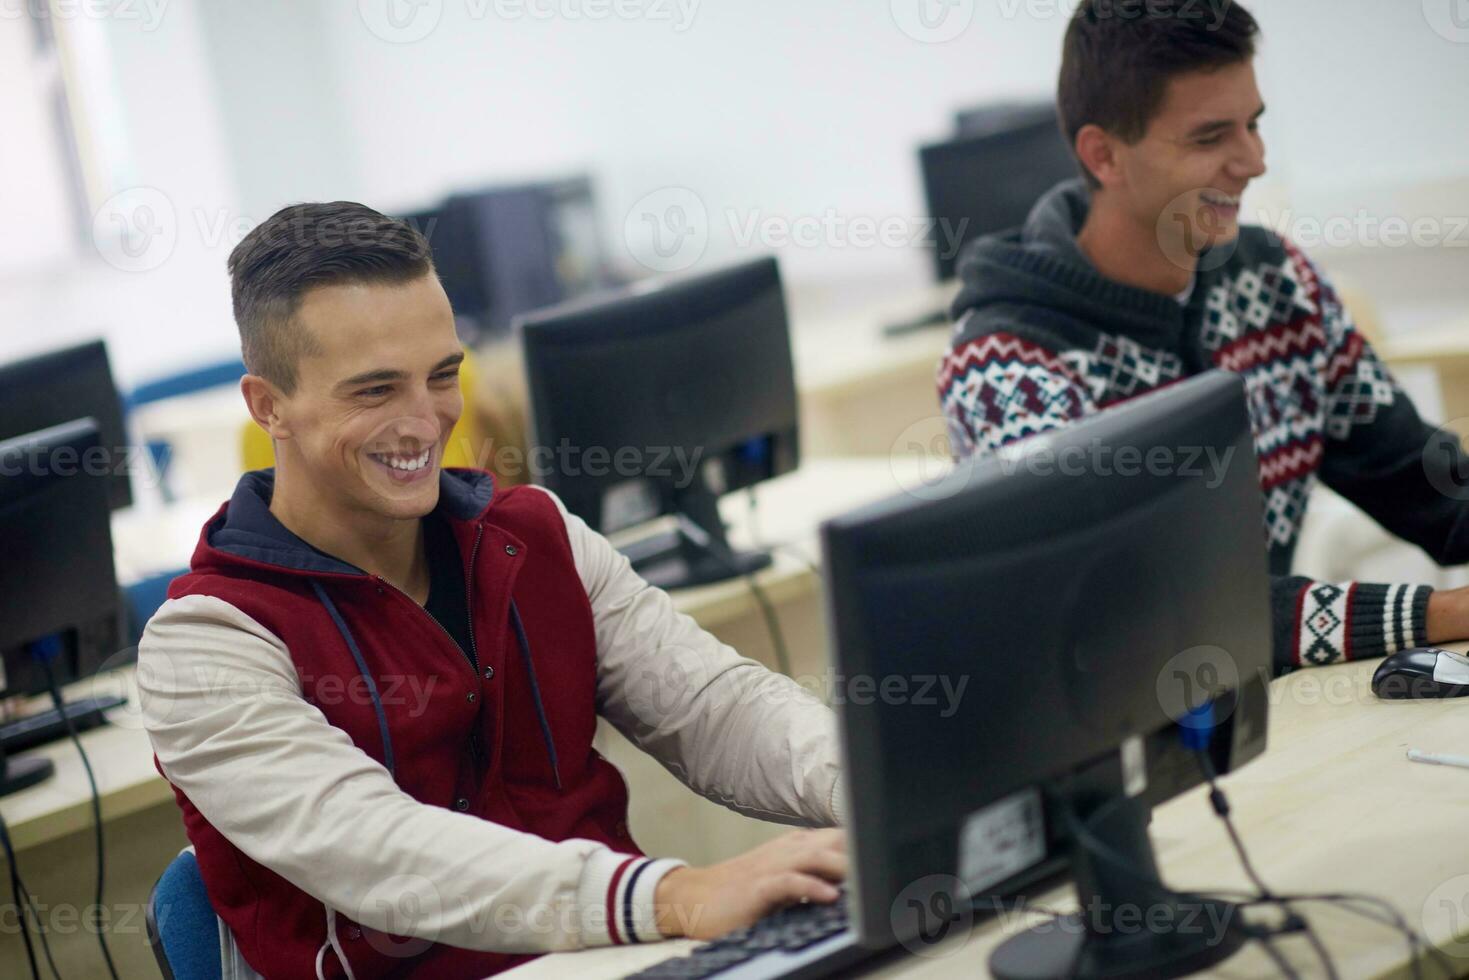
(1358, 621)
(616, 898)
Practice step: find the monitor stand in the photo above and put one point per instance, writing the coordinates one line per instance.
(696, 551)
(17, 774)
(1129, 927)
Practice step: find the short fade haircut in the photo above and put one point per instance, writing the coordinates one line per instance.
(1119, 56)
(299, 248)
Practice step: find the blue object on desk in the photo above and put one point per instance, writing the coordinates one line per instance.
(186, 383)
(182, 927)
(189, 382)
(143, 600)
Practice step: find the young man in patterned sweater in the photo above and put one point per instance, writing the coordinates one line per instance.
(1139, 276)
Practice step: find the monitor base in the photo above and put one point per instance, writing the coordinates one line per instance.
(670, 561)
(18, 773)
(1131, 926)
(1067, 948)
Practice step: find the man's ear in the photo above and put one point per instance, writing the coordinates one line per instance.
(1097, 150)
(265, 402)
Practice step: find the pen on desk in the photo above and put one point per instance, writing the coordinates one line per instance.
(1437, 759)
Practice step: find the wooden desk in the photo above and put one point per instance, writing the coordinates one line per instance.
(863, 394)
(1332, 805)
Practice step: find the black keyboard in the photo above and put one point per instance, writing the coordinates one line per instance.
(49, 726)
(796, 942)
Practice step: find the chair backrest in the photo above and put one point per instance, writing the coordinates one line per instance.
(182, 927)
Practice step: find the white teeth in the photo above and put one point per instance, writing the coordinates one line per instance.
(406, 464)
(1223, 200)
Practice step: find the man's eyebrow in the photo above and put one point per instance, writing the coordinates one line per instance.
(384, 375)
(1220, 125)
(453, 360)
(379, 376)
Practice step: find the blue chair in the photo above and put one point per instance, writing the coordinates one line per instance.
(182, 927)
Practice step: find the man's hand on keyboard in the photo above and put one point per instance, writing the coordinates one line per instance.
(703, 903)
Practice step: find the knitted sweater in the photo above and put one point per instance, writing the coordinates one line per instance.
(1042, 339)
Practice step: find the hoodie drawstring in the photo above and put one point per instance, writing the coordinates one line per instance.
(377, 704)
(535, 690)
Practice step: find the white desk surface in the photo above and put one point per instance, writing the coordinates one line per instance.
(790, 509)
(1332, 805)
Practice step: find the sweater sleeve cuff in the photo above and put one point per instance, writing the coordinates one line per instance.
(615, 896)
(1358, 621)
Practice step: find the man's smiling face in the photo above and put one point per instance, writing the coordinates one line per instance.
(374, 403)
(1188, 173)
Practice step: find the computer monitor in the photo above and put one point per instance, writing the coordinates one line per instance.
(985, 183)
(505, 251)
(992, 117)
(656, 400)
(76, 382)
(1088, 588)
(58, 596)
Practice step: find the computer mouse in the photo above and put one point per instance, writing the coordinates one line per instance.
(1422, 673)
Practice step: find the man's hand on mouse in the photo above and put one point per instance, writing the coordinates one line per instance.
(703, 903)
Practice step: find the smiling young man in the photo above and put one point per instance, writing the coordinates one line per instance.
(1140, 275)
(376, 690)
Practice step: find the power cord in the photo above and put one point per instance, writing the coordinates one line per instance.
(44, 653)
(772, 625)
(25, 910)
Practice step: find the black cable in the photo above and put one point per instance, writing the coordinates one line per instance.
(1294, 921)
(96, 811)
(21, 906)
(772, 625)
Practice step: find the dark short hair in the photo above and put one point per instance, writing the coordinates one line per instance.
(301, 247)
(1119, 56)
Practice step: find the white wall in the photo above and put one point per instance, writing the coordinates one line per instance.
(766, 108)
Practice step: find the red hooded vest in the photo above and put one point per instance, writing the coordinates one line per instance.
(508, 739)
